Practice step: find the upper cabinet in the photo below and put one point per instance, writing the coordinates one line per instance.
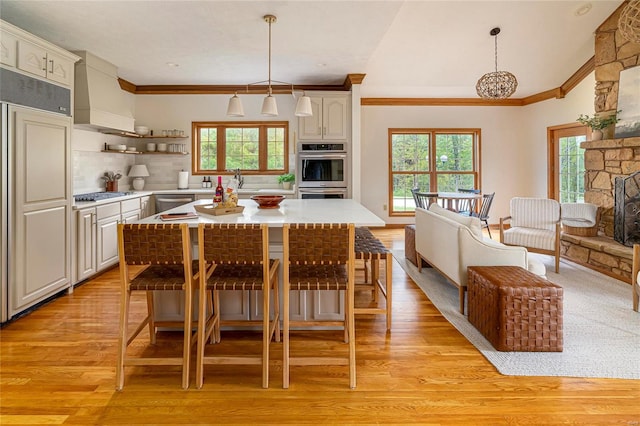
(27, 53)
(8, 48)
(329, 120)
(39, 61)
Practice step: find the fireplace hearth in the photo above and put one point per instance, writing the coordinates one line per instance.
(626, 212)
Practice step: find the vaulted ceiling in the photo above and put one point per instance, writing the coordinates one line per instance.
(405, 48)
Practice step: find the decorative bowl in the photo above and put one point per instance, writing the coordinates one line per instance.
(141, 130)
(117, 147)
(268, 201)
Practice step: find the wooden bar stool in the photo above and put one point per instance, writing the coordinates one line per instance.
(319, 257)
(165, 250)
(235, 257)
(371, 250)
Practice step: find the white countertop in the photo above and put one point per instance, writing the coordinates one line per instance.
(290, 211)
(77, 205)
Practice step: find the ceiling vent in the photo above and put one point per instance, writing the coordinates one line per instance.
(99, 101)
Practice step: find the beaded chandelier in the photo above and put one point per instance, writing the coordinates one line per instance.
(629, 22)
(497, 84)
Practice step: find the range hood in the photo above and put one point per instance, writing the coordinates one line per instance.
(99, 102)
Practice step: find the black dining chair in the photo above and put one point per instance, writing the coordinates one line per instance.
(483, 214)
(423, 199)
(467, 207)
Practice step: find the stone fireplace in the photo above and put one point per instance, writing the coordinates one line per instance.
(608, 159)
(626, 210)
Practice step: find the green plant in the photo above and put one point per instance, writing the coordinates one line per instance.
(287, 177)
(598, 123)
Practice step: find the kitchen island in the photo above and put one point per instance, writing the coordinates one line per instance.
(246, 305)
(289, 211)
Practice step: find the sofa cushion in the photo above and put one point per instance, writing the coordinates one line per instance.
(541, 213)
(530, 237)
(536, 267)
(473, 223)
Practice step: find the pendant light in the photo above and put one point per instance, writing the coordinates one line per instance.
(303, 106)
(496, 84)
(235, 107)
(629, 22)
(269, 104)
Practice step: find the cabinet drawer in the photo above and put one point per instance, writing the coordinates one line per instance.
(130, 205)
(107, 210)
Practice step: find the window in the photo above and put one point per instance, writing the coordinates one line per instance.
(252, 147)
(431, 160)
(566, 170)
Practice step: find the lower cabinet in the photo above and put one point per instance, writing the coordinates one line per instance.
(86, 243)
(96, 230)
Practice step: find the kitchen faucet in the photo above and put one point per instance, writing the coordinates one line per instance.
(238, 176)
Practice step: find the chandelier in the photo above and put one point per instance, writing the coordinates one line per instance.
(496, 84)
(629, 22)
(269, 105)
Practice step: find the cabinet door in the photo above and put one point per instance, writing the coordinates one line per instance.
(8, 49)
(326, 306)
(59, 69)
(234, 305)
(145, 207)
(40, 243)
(32, 58)
(334, 118)
(311, 127)
(107, 238)
(86, 243)
(131, 217)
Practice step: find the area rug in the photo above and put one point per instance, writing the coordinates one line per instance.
(601, 331)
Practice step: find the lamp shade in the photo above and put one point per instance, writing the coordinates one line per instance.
(138, 170)
(235, 107)
(303, 107)
(269, 106)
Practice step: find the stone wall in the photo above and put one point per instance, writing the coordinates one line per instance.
(607, 159)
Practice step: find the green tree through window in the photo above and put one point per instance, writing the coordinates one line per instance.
(454, 165)
(252, 147)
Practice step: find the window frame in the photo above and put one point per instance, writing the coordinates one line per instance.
(221, 127)
(433, 171)
(554, 134)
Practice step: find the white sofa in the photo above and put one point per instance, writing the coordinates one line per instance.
(451, 242)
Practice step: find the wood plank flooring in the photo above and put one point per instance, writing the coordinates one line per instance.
(58, 367)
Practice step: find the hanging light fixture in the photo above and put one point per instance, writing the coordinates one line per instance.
(269, 104)
(629, 22)
(496, 84)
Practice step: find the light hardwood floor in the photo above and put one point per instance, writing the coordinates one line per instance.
(58, 367)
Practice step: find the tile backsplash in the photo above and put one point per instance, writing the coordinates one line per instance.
(89, 166)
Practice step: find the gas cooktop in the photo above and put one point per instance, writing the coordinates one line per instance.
(97, 196)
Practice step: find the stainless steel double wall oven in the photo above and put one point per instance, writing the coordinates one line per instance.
(322, 170)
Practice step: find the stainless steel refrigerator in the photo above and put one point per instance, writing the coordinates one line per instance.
(36, 199)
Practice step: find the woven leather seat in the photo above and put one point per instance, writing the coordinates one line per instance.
(319, 257)
(371, 250)
(165, 248)
(235, 257)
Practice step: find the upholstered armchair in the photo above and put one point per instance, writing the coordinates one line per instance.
(534, 224)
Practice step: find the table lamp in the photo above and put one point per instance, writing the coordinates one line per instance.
(138, 172)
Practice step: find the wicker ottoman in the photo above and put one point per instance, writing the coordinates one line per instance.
(410, 245)
(515, 309)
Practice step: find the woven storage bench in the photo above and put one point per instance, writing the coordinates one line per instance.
(515, 309)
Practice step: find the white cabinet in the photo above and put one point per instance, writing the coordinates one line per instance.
(96, 231)
(39, 61)
(8, 49)
(40, 238)
(146, 206)
(329, 120)
(107, 219)
(86, 243)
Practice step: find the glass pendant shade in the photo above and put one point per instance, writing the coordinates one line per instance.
(303, 107)
(269, 106)
(235, 107)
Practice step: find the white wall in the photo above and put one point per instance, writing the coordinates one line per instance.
(513, 142)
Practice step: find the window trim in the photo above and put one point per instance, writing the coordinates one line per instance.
(554, 133)
(433, 172)
(221, 146)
